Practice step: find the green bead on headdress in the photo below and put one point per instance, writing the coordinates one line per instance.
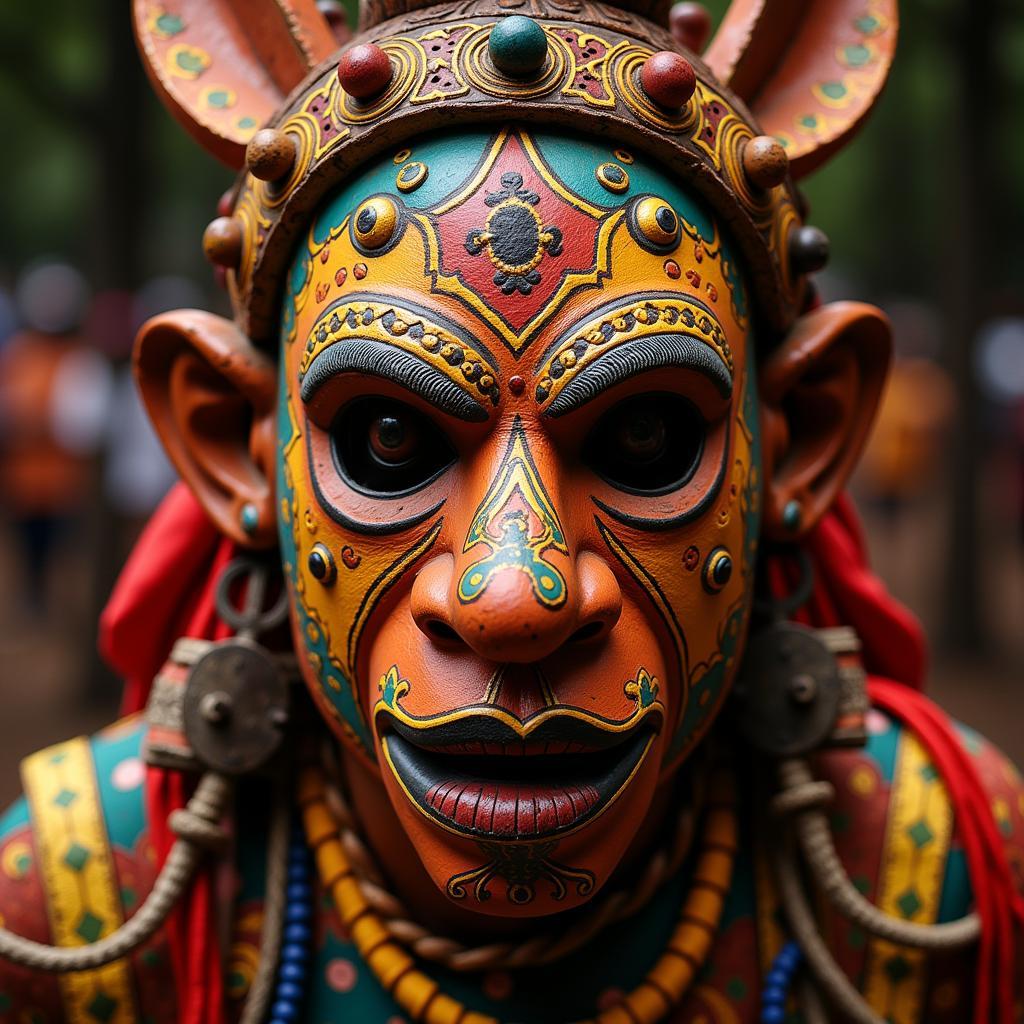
(780, 88)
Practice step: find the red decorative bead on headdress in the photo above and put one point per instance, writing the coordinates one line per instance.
(810, 74)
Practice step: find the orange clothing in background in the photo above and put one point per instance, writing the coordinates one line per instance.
(37, 475)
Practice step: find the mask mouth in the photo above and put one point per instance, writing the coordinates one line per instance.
(482, 777)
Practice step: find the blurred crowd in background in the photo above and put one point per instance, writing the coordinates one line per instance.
(102, 207)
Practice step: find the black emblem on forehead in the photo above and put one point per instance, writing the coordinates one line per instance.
(514, 237)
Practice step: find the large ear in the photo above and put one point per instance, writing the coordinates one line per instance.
(222, 67)
(212, 397)
(810, 70)
(819, 392)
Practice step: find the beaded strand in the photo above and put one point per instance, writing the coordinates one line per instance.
(420, 996)
(293, 969)
(777, 982)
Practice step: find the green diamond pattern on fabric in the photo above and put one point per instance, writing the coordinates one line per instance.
(897, 968)
(920, 833)
(102, 1007)
(65, 798)
(76, 857)
(89, 926)
(909, 902)
(929, 773)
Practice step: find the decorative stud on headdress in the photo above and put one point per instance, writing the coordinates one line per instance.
(779, 89)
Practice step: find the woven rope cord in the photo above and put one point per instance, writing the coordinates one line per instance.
(419, 996)
(543, 949)
(802, 797)
(198, 831)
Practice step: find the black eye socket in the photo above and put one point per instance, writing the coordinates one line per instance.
(648, 444)
(386, 448)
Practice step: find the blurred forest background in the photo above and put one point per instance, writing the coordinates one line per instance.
(926, 217)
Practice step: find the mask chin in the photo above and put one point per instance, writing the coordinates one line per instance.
(507, 841)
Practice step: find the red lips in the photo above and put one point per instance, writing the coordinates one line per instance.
(511, 810)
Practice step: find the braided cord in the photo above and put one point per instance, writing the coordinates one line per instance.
(198, 831)
(802, 797)
(543, 949)
(420, 996)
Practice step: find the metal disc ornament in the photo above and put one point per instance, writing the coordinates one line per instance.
(236, 707)
(788, 691)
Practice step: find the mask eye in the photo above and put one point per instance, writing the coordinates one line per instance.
(647, 444)
(386, 448)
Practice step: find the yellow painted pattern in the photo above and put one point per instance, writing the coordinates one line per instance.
(77, 870)
(917, 839)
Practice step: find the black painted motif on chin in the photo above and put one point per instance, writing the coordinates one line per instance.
(522, 867)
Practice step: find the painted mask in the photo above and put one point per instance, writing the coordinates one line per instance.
(518, 495)
(518, 471)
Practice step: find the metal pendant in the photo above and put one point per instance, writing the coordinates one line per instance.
(788, 690)
(224, 705)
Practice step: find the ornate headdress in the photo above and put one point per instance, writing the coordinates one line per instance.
(782, 85)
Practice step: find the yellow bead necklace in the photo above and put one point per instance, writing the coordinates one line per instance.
(421, 997)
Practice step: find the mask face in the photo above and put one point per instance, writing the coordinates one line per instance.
(519, 490)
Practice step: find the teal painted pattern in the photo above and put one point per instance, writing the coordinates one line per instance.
(882, 748)
(713, 680)
(452, 159)
(334, 684)
(120, 773)
(14, 819)
(120, 777)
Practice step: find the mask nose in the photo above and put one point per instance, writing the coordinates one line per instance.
(507, 623)
(513, 592)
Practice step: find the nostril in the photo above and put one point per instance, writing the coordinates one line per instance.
(442, 631)
(587, 632)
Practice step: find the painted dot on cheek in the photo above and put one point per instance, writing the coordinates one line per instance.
(672, 269)
(359, 271)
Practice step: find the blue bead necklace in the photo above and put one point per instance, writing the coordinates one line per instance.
(777, 982)
(293, 968)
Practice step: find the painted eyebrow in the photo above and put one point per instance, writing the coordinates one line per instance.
(630, 358)
(400, 341)
(381, 359)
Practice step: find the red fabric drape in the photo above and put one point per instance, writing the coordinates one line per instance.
(166, 591)
(846, 592)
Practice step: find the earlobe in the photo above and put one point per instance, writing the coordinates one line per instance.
(819, 390)
(211, 397)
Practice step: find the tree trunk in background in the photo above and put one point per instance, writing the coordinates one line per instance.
(972, 130)
(121, 148)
